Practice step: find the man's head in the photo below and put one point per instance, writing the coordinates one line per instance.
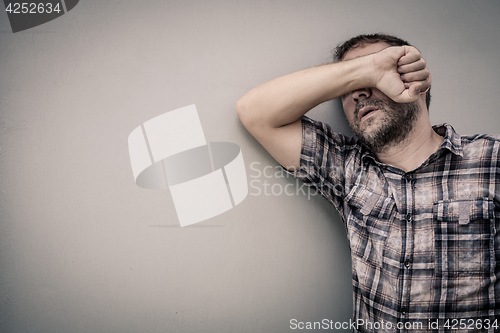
(393, 121)
(368, 39)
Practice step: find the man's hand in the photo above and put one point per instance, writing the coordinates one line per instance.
(401, 73)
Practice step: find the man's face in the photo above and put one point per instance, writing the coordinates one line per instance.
(375, 119)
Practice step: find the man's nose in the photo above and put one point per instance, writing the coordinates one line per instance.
(360, 94)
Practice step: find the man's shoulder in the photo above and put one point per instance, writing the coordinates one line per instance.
(449, 132)
(324, 131)
(479, 137)
(481, 147)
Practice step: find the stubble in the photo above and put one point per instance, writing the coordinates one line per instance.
(387, 129)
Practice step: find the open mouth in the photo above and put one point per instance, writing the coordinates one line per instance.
(366, 111)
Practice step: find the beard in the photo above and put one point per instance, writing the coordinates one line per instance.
(388, 129)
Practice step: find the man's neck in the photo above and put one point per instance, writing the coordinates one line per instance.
(421, 143)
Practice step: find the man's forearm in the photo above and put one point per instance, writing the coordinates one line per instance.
(284, 100)
(271, 112)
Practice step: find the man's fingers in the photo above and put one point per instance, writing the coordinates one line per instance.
(425, 87)
(412, 67)
(420, 75)
(426, 84)
(410, 94)
(411, 55)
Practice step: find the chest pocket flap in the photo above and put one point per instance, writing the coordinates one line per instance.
(370, 203)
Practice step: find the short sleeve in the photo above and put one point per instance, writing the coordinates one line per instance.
(322, 159)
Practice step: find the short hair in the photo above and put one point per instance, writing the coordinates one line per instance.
(367, 39)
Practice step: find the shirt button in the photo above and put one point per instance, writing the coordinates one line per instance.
(409, 177)
(403, 311)
(407, 263)
(408, 217)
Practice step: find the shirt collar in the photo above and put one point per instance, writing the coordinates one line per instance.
(452, 141)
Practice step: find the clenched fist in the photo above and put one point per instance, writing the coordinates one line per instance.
(400, 72)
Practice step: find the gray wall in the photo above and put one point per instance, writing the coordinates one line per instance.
(83, 249)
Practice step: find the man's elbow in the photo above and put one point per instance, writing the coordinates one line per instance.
(243, 111)
(240, 106)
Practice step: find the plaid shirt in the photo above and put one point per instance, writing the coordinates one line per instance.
(424, 244)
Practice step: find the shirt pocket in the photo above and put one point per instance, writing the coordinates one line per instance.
(464, 237)
(368, 223)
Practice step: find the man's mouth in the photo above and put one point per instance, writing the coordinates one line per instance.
(365, 112)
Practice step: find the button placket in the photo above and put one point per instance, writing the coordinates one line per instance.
(403, 311)
(408, 182)
(409, 177)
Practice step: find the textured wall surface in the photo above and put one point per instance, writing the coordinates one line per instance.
(83, 249)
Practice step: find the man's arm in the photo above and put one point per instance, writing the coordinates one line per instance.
(271, 112)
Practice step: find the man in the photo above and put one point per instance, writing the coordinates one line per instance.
(420, 203)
